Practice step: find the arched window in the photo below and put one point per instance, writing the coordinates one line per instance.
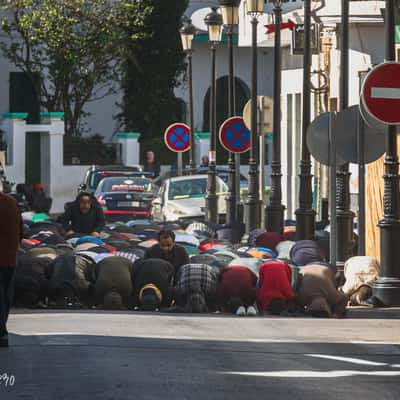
(242, 95)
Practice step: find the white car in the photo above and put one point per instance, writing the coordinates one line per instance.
(184, 197)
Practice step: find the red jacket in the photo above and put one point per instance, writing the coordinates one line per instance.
(11, 231)
(237, 281)
(275, 278)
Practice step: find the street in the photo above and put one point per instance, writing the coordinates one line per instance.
(101, 355)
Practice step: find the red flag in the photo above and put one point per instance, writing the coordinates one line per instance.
(285, 25)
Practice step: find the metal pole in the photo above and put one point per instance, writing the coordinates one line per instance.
(387, 287)
(253, 205)
(305, 215)
(361, 185)
(192, 161)
(345, 217)
(211, 198)
(179, 164)
(231, 209)
(275, 209)
(332, 192)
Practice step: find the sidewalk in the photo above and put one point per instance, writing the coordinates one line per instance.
(373, 313)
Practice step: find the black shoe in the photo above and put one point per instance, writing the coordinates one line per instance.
(4, 341)
(374, 302)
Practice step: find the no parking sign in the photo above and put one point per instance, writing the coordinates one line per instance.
(177, 137)
(234, 135)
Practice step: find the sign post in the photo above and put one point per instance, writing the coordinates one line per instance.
(380, 99)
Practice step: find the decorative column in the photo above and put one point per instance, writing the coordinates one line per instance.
(130, 147)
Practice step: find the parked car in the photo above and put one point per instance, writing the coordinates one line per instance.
(223, 173)
(183, 198)
(95, 174)
(124, 198)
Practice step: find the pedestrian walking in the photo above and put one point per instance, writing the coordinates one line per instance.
(168, 250)
(151, 164)
(11, 234)
(83, 216)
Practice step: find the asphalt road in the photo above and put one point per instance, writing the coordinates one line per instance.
(98, 355)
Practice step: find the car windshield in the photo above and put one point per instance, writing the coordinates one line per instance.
(125, 184)
(187, 188)
(99, 175)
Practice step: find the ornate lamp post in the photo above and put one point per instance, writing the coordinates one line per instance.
(230, 16)
(305, 215)
(213, 20)
(187, 34)
(255, 8)
(344, 215)
(275, 209)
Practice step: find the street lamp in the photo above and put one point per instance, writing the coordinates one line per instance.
(275, 210)
(305, 215)
(213, 20)
(230, 16)
(344, 216)
(187, 33)
(255, 8)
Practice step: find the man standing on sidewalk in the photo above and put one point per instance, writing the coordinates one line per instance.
(10, 236)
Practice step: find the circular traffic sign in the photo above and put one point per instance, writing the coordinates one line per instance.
(234, 135)
(347, 124)
(265, 107)
(177, 137)
(319, 135)
(381, 93)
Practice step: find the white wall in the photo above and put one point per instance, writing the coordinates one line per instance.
(202, 74)
(65, 184)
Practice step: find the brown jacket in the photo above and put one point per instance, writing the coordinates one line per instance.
(11, 231)
(318, 292)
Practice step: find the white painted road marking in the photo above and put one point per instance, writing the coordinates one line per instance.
(385, 93)
(315, 374)
(347, 359)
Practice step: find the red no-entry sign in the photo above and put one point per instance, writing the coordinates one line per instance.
(381, 93)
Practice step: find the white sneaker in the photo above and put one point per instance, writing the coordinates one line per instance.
(241, 311)
(251, 311)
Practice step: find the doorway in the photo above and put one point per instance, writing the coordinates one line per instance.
(33, 158)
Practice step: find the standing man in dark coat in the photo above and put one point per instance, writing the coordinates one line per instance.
(84, 215)
(168, 250)
(151, 164)
(11, 233)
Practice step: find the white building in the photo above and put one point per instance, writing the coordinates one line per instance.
(366, 49)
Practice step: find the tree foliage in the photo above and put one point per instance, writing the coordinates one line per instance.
(149, 103)
(76, 47)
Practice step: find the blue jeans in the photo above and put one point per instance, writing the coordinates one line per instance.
(6, 296)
